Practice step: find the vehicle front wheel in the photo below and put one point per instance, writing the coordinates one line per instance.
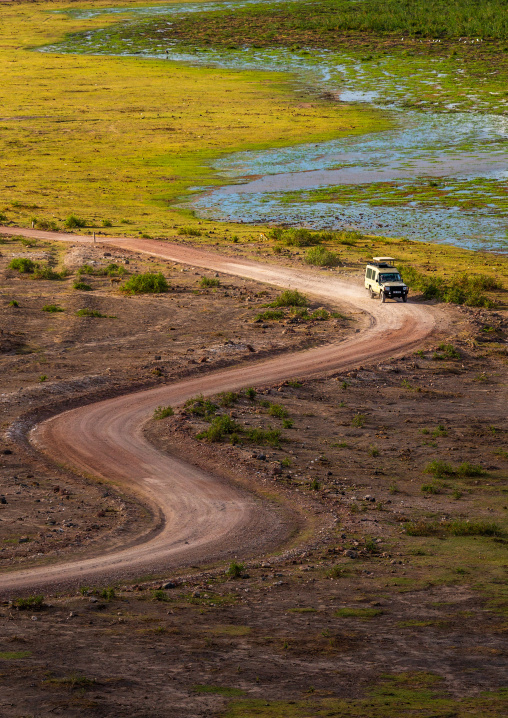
(382, 296)
(404, 299)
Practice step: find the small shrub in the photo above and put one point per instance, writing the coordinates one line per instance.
(439, 469)
(335, 572)
(235, 569)
(359, 420)
(30, 603)
(371, 546)
(393, 488)
(46, 224)
(287, 424)
(89, 313)
(43, 377)
(467, 469)
(321, 315)
(108, 593)
(209, 282)
(113, 270)
(82, 286)
(431, 489)
(189, 232)
(439, 431)
(373, 451)
(278, 411)
(23, 265)
(160, 595)
(220, 426)
(227, 398)
(147, 283)
(421, 528)
(13, 303)
(3, 217)
(85, 269)
(448, 352)
(200, 406)
(290, 298)
(52, 308)
(314, 485)
(107, 223)
(250, 393)
(270, 437)
(294, 383)
(321, 257)
(457, 494)
(161, 412)
(73, 222)
(44, 271)
(286, 462)
(295, 237)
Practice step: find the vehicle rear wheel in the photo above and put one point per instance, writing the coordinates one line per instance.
(371, 293)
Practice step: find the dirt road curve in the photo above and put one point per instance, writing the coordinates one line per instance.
(201, 518)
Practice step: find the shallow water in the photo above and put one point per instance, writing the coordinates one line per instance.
(459, 146)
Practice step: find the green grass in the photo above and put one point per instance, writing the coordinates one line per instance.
(90, 313)
(146, 283)
(269, 315)
(453, 528)
(364, 613)
(52, 308)
(14, 655)
(330, 19)
(402, 695)
(154, 106)
(219, 690)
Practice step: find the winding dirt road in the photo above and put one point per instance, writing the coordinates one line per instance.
(201, 517)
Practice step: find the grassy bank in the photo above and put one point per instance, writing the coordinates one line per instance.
(324, 20)
(119, 139)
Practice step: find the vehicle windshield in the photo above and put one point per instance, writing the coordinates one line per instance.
(391, 277)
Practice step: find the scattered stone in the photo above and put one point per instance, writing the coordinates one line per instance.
(350, 553)
(168, 584)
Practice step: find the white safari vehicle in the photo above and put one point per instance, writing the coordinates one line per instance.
(383, 280)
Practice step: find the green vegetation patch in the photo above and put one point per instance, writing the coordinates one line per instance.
(401, 695)
(14, 655)
(364, 613)
(147, 283)
(220, 690)
(463, 288)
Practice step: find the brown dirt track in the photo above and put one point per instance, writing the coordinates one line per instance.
(201, 517)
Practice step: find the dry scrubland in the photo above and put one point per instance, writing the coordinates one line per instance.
(395, 474)
(391, 598)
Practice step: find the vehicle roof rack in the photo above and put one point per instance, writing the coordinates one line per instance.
(382, 261)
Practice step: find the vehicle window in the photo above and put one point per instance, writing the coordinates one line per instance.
(369, 273)
(390, 277)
